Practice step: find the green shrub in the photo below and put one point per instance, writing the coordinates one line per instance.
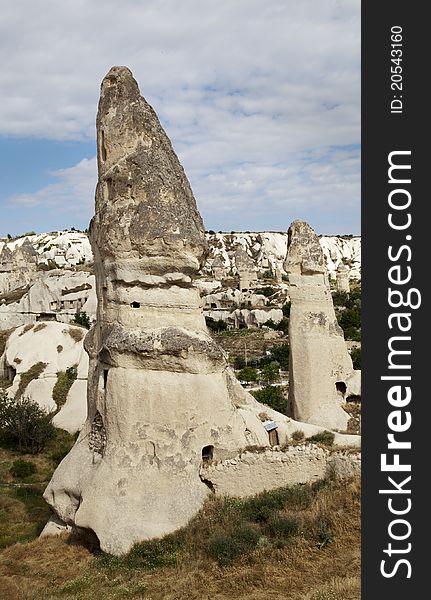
(155, 554)
(280, 526)
(351, 317)
(323, 437)
(266, 291)
(226, 547)
(298, 435)
(214, 325)
(356, 358)
(273, 397)
(239, 363)
(21, 469)
(81, 318)
(247, 374)
(24, 426)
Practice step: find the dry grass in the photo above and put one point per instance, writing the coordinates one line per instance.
(353, 409)
(27, 569)
(302, 570)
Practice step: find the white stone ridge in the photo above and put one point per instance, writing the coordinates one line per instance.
(57, 293)
(59, 346)
(254, 471)
(267, 249)
(62, 247)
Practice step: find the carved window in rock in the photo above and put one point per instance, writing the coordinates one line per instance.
(341, 387)
(135, 304)
(97, 437)
(207, 453)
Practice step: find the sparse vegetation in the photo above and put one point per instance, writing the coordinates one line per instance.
(81, 318)
(60, 348)
(25, 378)
(21, 469)
(39, 327)
(76, 334)
(215, 326)
(262, 544)
(326, 438)
(63, 384)
(26, 328)
(298, 435)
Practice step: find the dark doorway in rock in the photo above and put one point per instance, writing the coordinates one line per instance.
(105, 378)
(10, 372)
(341, 387)
(273, 437)
(135, 304)
(207, 453)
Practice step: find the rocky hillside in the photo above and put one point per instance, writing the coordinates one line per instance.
(267, 249)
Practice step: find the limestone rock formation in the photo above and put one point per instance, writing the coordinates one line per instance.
(343, 282)
(246, 270)
(56, 347)
(162, 401)
(319, 361)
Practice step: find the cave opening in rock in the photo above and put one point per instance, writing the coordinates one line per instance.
(207, 453)
(135, 304)
(341, 387)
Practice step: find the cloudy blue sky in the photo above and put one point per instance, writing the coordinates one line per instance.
(261, 99)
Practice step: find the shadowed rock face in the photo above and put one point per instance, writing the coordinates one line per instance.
(318, 354)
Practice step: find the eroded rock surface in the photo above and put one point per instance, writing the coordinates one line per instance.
(319, 361)
(162, 400)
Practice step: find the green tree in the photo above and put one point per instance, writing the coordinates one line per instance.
(270, 372)
(239, 363)
(280, 354)
(215, 326)
(81, 318)
(273, 397)
(24, 426)
(248, 374)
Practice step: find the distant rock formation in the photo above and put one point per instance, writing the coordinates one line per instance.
(245, 268)
(343, 282)
(162, 402)
(319, 361)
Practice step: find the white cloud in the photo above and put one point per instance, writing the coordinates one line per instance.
(258, 83)
(72, 193)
